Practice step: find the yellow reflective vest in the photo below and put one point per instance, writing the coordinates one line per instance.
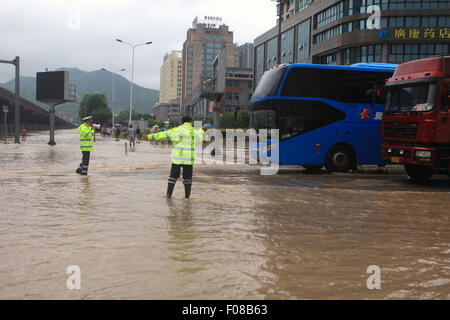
(184, 139)
(86, 137)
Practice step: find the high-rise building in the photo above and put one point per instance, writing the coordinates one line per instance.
(170, 77)
(205, 40)
(245, 52)
(342, 32)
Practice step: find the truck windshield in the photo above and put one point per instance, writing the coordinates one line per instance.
(406, 98)
(270, 83)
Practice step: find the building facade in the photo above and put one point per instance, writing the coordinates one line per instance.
(205, 40)
(245, 53)
(170, 77)
(346, 31)
(167, 111)
(233, 84)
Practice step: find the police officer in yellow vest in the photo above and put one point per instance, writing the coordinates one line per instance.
(86, 143)
(184, 139)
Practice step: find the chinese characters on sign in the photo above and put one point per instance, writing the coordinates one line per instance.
(422, 34)
(229, 89)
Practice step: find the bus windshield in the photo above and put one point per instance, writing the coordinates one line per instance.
(270, 82)
(407, 98)
(264, 119)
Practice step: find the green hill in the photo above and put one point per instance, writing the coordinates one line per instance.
(96, 81)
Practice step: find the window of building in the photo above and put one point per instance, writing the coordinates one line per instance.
(303, 41)
(328, 59)
(400, 52)
(302, 4)
(271, 52)
(369, 53)
(287, 46)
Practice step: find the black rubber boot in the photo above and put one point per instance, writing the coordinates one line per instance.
(187, 190)
(170, 187)
(79, 168)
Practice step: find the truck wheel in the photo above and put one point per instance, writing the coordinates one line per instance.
(313, 169)
(418, 172)
(340, 159)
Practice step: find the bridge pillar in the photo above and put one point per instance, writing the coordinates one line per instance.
(52, 125)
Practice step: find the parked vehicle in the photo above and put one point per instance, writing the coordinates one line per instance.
(416, 125)
(326, 114)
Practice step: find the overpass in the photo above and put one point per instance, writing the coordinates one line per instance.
(32, 116)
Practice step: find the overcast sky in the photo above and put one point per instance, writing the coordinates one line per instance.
(81, 33)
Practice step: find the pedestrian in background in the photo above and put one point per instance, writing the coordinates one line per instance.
(117, 133)
(24, 134)
(86, 144)
(132, 137)
(138, 134)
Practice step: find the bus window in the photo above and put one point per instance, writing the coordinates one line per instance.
(298, 117)
(270, 82)
(339, 85)
(264, 119)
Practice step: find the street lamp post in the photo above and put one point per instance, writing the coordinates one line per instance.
(113, 93)
(132, 72)
(16, 63)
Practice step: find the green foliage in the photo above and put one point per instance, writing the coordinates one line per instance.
(152, 121)
(174, 123)
(242, 121)
(95, 105)
(125, 116)
(204, 119)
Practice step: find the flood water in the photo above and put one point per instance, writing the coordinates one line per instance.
(240, 236)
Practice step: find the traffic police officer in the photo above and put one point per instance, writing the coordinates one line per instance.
(184, 139)
(86, 144)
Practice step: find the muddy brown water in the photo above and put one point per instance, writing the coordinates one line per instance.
(240, 236)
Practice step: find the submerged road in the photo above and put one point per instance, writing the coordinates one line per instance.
(240, 236)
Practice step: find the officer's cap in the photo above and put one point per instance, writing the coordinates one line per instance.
(87, 118)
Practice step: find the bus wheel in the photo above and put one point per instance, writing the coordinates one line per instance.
(419, 173)
(313, 169)
(340, 159)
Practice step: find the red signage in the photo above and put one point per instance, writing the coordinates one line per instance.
(230, 89)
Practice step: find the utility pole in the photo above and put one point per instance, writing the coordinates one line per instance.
(16, 63)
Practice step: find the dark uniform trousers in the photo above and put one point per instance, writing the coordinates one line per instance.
(84, 165)
(175, 174)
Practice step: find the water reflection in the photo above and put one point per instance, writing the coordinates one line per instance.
(86, 195)
(182, 234)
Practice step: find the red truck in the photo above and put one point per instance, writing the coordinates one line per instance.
(415, 126)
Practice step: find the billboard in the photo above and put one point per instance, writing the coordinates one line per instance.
(52, 86)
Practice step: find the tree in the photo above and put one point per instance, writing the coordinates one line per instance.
(227, 121)
(174, 123)
(243, 119)
(95, 105)
(125, 116)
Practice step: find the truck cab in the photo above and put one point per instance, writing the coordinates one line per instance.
(415, 125)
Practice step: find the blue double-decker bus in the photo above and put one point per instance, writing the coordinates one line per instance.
(327, 115)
